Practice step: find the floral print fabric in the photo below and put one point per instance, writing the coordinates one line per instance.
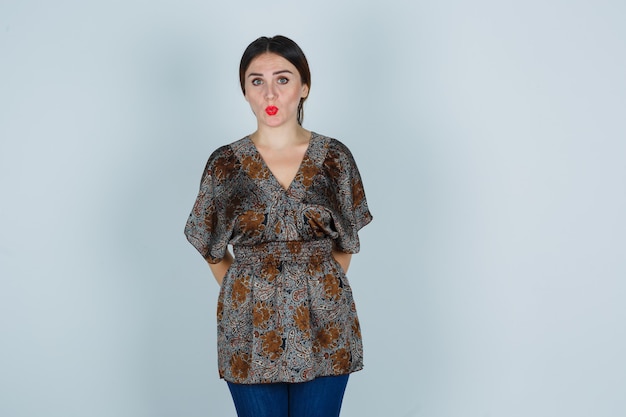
(285, 309)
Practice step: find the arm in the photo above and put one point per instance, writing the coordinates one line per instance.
(343, 259)
(219, 269)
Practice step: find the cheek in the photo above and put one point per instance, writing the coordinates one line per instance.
(295, 95)
(253, 100)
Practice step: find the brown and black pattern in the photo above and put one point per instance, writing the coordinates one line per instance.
(285, 309)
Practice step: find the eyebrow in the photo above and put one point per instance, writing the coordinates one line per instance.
(256, 74)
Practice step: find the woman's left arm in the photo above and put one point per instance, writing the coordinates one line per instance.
(342, 259)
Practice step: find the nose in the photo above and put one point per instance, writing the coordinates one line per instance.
(270, 92)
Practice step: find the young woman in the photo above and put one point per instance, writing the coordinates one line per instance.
(290, 202)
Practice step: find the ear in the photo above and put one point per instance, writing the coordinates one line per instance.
(305, 91)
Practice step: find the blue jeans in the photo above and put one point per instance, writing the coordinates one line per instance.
(320, 397)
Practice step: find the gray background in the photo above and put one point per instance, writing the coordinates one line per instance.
(491, 139)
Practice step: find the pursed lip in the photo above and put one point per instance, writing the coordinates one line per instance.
(271, 110)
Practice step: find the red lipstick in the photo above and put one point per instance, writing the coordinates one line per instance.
(271, 110)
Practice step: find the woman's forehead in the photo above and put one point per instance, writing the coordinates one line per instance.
(270, 62)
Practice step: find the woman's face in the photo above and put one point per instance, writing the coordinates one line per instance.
(274, 88)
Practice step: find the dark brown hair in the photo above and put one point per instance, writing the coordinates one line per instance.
(285, 47)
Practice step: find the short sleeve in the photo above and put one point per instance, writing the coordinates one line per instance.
(206, 228)
(350, 211)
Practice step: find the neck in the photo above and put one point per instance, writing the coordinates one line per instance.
(281, 136)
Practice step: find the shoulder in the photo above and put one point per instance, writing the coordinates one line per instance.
(223, 161)
(221, 156)
(338, 162)
(223, 152)
(334, 147)
(337, 152)
(229, 150)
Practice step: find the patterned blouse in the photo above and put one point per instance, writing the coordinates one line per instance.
(285, 309)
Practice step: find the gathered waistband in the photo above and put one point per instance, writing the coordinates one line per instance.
(291, 251)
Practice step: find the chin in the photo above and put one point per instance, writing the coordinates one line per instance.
(273, 122)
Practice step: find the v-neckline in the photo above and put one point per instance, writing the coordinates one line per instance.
(271, 174)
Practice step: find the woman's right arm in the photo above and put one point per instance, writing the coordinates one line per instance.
(219, 269)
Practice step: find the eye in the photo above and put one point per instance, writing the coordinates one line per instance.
(257, 81)
(283, 80)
